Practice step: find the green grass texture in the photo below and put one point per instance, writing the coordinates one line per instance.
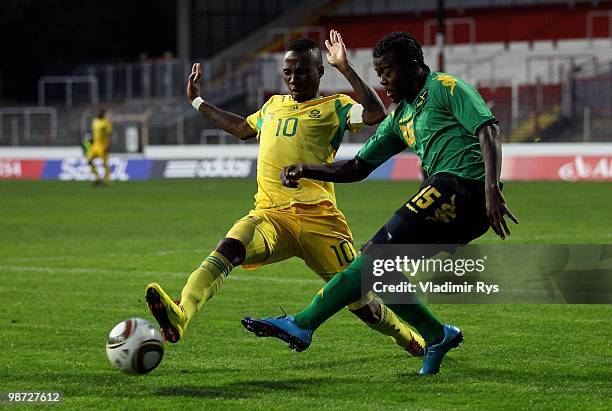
(74, 261)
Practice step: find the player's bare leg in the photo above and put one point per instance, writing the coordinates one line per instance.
(106, 171)
(94, 171)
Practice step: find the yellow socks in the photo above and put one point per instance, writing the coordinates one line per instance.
(390, 325)
(204, 282)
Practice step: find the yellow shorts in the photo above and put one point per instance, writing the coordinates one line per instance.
(97, 151)
(316, 233)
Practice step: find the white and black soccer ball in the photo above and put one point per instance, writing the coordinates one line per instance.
(135, 346)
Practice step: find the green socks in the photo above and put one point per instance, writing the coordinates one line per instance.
(345, 287)
(341, 290)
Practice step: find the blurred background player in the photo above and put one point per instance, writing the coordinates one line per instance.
(302, 126)
(102, 129)
(448, 125)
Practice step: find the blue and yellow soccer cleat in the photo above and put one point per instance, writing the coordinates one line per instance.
(434, 354)
(283, 328)
(170, 315)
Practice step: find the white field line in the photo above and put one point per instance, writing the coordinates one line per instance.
(84, 270)
(560, 239)
(75, 257)
(521, 291)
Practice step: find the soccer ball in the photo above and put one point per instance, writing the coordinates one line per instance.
(135, 346)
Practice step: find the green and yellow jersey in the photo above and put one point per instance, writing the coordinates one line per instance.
(102, 129)
(308, 132)
(440, 126)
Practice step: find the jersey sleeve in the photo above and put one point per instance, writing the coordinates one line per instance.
(354, 113)
(384, 144)
(464, 102)
(349, 117)
(255, 120)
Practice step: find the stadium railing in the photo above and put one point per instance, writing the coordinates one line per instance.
(28, 126)
(530, 84)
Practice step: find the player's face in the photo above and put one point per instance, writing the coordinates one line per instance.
(302, 75)
(395, 77)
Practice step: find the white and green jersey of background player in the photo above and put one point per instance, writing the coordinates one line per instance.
(440, 126)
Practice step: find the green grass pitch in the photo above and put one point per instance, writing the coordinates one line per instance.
(74, 261)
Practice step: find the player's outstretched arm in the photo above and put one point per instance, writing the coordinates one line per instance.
(230, 122)
(495, 202)
(373, 109)
(345, 171)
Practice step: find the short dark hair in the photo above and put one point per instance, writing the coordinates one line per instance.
(401, 45)
(306, 45)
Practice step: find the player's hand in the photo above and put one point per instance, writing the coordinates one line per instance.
(336, 50)
(193, 85)
(497, 210)
(291, 174)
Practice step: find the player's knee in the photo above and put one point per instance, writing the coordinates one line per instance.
(369, 313)
(233, 250)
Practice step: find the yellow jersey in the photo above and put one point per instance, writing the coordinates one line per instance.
(102, 129)
(308, 132)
